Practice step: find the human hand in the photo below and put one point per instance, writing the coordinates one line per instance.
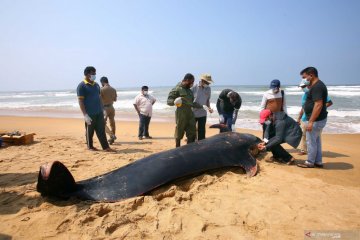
(309, 126)
(178, 102)
(221, 118)
(261, 146)
(87, 119)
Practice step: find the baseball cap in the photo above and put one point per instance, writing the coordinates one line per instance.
(264, 114)
(275, 84)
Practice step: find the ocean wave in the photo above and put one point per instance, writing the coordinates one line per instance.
(343, 94)
(21, 96)
(29, 105)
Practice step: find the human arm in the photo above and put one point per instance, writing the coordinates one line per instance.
(173, 94)
(208, 102)
(82, 106)
(137, 109)
(263, 102)
(328, 102)
(315, 113)
(236, 110)
(280, 126)
(284, 102)
(300, 115)
(153, 100)
(81, 93)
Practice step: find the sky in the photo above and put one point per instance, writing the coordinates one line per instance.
(45, 45)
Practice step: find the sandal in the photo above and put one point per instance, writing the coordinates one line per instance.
(318, 165)
(291, 162)
(270, 160)
(305, 165)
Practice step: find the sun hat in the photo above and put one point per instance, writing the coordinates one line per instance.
(264, 114)
(206, 78)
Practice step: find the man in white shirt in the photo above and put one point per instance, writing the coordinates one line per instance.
(143, 106)
(273, 99)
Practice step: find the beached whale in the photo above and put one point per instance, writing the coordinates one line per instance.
(229, 149)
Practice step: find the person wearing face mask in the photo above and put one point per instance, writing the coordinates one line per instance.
(302, 120)
(274, 99)
(88, 92)
(228, 105)
(315, 113)
(202, 94)
(108, 97)
(143, 105)
(279, 128)
(183, 98)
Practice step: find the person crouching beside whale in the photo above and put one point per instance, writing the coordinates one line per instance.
(183, 98)
(228, 105)
(280, 128)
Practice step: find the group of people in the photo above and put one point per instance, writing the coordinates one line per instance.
(192, 103)
(96, 104)
(279, 128)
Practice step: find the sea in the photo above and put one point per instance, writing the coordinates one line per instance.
(343, 115)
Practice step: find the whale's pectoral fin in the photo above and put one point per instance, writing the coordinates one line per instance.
(221, 126)
(55, 179)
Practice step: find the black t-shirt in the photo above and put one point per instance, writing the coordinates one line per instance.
(225, 104)
(316, 92)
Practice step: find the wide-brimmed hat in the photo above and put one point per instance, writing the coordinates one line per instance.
(206, 78)
(264, 114)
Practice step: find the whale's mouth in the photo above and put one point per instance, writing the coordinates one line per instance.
(55, 179)
(45, 170)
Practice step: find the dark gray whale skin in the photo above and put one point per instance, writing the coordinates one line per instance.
(229, 149)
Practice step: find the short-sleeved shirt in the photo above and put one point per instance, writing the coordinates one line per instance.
(144, 103)
(90, 92)
(303, 100)
(201, 96)
(316, 93)
(225, 103)
(108, 95)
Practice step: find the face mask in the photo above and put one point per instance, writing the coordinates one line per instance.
(305, 89)
(306, 81)
(92, 77)
(276, 90)
(205, 85)
(267, 122)
(145, 92)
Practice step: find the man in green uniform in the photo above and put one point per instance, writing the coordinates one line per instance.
(182, 97)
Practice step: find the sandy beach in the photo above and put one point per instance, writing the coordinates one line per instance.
(280, 202)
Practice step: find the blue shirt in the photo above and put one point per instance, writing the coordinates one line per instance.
(303, 100)
(90, 92)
